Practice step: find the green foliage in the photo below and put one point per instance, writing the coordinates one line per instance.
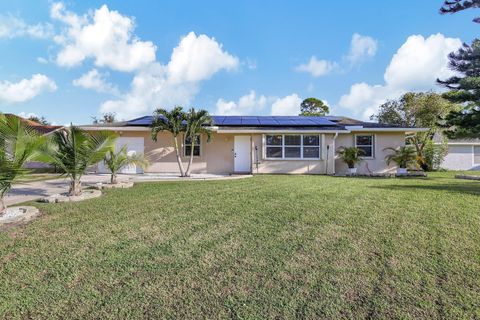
(313, 107)
(115, 161)
(403, 156)
(73, 150)
(423, 110)
(434, 154)
(19, 144)
(197, 123)
(108, 117)
(453, 6)
(350, 155)
(41, 120)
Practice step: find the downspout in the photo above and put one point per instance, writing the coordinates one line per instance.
(334, 147)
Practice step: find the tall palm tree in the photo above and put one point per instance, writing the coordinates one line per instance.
(173, 122)
(74, 150)
(19, 144)
(115, 161)
(196, 125)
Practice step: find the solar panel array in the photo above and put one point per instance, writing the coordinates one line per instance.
(249, 121)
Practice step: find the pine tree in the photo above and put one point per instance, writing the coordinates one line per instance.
(464, 88)
(453, 6)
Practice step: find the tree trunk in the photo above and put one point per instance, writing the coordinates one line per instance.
(75, 187)
(179, 158)
(190, 161)
(3, 206)
(113, 178)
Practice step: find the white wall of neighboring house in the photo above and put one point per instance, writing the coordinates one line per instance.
(462, 157)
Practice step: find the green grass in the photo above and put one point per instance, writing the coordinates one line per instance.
(265, 247)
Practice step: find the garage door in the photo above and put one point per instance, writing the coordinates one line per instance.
(135, 145)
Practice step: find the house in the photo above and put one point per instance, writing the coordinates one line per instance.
(264, 144)
(462, 155)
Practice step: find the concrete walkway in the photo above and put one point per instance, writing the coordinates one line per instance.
(30, 191)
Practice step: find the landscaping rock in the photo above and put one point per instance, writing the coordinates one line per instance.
(120, 185)
(18, 214)
(86, 194)
(467, 177)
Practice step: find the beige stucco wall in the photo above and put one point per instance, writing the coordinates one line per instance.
(217, 155)
(382, 140)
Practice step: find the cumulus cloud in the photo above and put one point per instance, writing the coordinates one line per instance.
(13, 27)
(287, 106)
(195, 59)
(361, 47)
(103, 35)
(247, 104)
(96, 81)
(414, 67)
(317, 68)
(26, 89)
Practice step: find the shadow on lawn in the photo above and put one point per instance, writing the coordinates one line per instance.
(470, 188)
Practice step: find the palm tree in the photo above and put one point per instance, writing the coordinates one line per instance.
(173, 122)
(350, 155)
(402, 156)
(196, 125)
(74, 150)
(115, 161)
(19, 144)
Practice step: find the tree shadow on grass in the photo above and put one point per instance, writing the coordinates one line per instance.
(468, 188)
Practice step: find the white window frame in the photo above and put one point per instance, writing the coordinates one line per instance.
(283, 145)
(366, 145)
(473, 154)
(199, 146)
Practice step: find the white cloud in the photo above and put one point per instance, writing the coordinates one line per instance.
(195, 59)
(27, 115)
(414, 67)
(13, 27)
(361, 47)
(26, 89)
(287, 106)
(42, 60)
(105, 36)
(247, 104)
(317, 67)
(96, 81)
(198, 58)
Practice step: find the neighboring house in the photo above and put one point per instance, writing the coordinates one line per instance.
(41, 130)
(264, 144)
(462, 155)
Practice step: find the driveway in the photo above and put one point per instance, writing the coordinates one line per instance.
(38, 189)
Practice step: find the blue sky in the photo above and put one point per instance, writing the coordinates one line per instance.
(60, 60)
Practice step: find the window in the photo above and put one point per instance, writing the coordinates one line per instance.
(292, 146)
(188, 146)
(365, 143)
(476, 154)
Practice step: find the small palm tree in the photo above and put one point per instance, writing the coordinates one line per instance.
(115, 161)
(174, 122)
(74, 150)
(402, 156)
(19, 144)
(350, 155)
(196, 125)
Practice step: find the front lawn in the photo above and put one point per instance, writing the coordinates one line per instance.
(265, 247)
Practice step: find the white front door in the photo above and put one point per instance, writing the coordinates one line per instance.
(134, 146)
(242, 154)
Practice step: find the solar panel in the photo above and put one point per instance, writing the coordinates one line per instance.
(271, 121)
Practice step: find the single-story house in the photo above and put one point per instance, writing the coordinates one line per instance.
(264, 144)
(463, 154)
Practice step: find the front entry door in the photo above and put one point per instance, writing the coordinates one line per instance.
(242, 153)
